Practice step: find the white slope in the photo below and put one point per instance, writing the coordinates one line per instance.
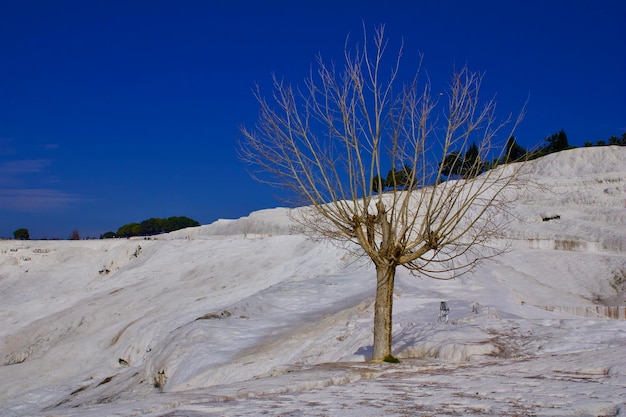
(249, 317)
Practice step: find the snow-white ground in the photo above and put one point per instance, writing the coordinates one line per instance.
(248, 317)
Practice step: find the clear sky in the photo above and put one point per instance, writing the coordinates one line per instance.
(113, 112)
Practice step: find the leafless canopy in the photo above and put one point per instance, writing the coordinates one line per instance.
(333, 141)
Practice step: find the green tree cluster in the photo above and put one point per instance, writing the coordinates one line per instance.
(612, 141)
(556, 142)
(464, 165)
(397, 179)
(514, 152)
(21, 234)
(152, 226)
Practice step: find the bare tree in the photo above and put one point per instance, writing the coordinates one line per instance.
(331, 142)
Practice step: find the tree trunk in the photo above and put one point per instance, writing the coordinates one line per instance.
(383, 309)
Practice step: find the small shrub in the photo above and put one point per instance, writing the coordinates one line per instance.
(391, 359)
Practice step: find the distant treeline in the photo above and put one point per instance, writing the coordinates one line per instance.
(469, 163)
(558, 142)
(152, 226)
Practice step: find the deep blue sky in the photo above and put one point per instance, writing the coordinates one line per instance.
(116, 111)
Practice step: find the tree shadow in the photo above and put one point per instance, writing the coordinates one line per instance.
(365, 351)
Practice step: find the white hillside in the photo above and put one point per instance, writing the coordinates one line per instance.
(249, 317)
(586, 188)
